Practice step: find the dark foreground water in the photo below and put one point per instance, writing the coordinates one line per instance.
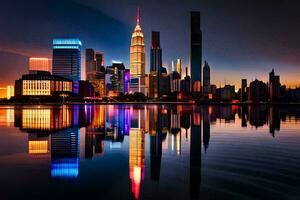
(149, 152)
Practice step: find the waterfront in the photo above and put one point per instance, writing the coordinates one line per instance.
(149, 152)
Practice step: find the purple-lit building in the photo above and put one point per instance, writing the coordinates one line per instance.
(117, 79)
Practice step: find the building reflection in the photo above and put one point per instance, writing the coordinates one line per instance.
(107, 123)
(137, 150)
(65, 153)
(175, 131)
(43, 120)
(206, 127)
(7, 117)
(195, 154)
(156, 138)
(258, 116)
(38, 144)
(274, 120)
(55, 131)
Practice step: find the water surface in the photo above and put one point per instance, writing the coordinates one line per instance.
(149, 152)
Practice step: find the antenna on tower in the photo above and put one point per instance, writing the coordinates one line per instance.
(138, 16)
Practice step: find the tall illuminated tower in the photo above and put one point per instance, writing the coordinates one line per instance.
(195, 52)
(67, 60)
(137, 57)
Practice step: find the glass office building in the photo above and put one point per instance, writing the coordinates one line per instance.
(67, 60)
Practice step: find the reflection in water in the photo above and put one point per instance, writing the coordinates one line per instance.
(195, 154)
(64, 153)
(137, 150)
(56, 131)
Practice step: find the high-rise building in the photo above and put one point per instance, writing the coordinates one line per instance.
(164, 83)
(99, 61)
(40, 64)
(178, 66)
(226, 93)
(156, 52)
(243, 94)
(274, 86)
(175, 82)
(155, 64)
(206, 79)
(258, 91)
(67, 60)
(90, 63)
(137, 58)
(196, 52)
(95, 71)
(117, 79)
(185, 84)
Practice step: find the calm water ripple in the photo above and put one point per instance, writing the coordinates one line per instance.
(149, 152)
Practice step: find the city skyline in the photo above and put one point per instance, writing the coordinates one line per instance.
(233, 67)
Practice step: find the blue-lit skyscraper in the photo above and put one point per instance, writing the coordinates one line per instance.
(67, 59)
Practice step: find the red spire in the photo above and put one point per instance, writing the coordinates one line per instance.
(138, 16)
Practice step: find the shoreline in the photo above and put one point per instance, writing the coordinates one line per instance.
(157, 103)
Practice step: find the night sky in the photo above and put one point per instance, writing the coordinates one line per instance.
(241, 39)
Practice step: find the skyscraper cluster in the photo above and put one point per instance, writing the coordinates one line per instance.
(63, 76)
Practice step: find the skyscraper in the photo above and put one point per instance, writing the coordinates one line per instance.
(274, 86)
(117, 79)
(90, 63)
(243, 90)
(67, 60)
(95, 71)
(195, 52)
(156, 53)
(258, 91)
(137, 58)
(206, 79)
(99, 61)
(176, 66)
(155, 64)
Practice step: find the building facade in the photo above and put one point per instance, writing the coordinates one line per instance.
(258, 91)
(243, 93)
(155, 65)
(274, 86)
(156, 52)
(206, 80)
(42, 84)
(67, 60)
(95, 71)
(40, 64)
(117, 79)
